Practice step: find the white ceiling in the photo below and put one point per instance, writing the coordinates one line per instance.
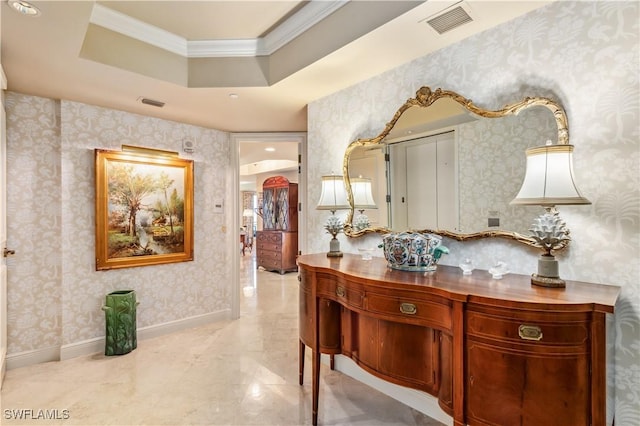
(209, 20)
(276, 56)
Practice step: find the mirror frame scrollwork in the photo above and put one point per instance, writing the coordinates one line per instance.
(424, 98)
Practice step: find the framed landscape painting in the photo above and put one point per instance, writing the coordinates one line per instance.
(144, 208)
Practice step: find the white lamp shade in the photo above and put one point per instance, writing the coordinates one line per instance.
(362, 195)
(333, 196)
(247, 213)
(549, 178)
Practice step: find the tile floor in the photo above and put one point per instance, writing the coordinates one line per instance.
(242, 372)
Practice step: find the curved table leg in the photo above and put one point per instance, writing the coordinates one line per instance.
(301, 351)
(316, 386)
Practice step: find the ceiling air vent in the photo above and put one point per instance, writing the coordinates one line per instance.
(152, 102)
(449, 20)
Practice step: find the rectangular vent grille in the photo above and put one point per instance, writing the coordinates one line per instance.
(152, 102)
(449, 20)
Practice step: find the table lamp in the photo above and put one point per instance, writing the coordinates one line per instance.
(333, 197)
(548, 182)
(249, 214)
(362, 200)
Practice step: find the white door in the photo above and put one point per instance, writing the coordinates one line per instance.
(422, 190)
(424, 186)
(3, 233)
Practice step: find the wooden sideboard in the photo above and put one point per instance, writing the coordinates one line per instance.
(494, 352)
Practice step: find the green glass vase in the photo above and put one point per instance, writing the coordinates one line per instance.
(120, 312)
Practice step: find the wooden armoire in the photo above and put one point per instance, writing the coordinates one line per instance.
(277, 243)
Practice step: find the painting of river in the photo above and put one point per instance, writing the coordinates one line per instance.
(146, 206)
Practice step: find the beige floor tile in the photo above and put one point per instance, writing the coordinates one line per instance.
(242, 372)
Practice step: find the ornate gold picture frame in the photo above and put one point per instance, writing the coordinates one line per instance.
(144, 208)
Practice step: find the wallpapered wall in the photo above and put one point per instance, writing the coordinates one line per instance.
(54, 293)
(585, 55)
(491, 167)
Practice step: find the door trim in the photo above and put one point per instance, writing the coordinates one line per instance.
(236, 139)
(3, 231)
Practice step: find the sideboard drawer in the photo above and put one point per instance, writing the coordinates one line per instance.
(434, 313)
(557, 328)
(349, 295)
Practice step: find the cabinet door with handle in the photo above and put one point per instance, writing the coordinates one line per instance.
(509, 387)
(532, 371)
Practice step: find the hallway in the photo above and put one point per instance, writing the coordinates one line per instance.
(242, 372)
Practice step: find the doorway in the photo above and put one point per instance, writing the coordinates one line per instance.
(260, 141)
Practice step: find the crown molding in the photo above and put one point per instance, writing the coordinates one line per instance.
(224, 48)
(297, 24)
(300, 22)
(131, 27)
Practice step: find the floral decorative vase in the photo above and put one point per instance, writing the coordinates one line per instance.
(120, 315)
(413, 251)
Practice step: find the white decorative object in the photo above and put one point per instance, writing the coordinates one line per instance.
(467, 266)
(366, 253)
(499, 270)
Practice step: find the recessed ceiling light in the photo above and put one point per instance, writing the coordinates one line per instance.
(270, 149)
(233, 95)
(23, 7)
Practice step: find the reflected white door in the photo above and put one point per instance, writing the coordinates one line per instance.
(424, 183)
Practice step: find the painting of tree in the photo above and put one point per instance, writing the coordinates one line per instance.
(143, 209)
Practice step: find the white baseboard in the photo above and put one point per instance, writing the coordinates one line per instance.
(37, 356)
(183, 324)
(415, 399)
(87, 347)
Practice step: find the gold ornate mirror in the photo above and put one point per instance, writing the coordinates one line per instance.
(446, 166)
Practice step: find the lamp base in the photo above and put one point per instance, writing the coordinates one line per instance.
(547, 275)
(334, 248)
(361, 221)
(547, 281)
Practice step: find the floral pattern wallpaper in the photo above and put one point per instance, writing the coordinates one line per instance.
(55, 294)
(583, 54)
(492, 165)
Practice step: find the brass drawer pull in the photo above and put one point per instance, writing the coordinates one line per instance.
(408, 308)
(340, 292)
(530, 332)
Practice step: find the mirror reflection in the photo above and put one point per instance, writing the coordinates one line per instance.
(444, 165)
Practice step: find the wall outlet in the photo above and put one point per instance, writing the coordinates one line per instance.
(218, 206)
